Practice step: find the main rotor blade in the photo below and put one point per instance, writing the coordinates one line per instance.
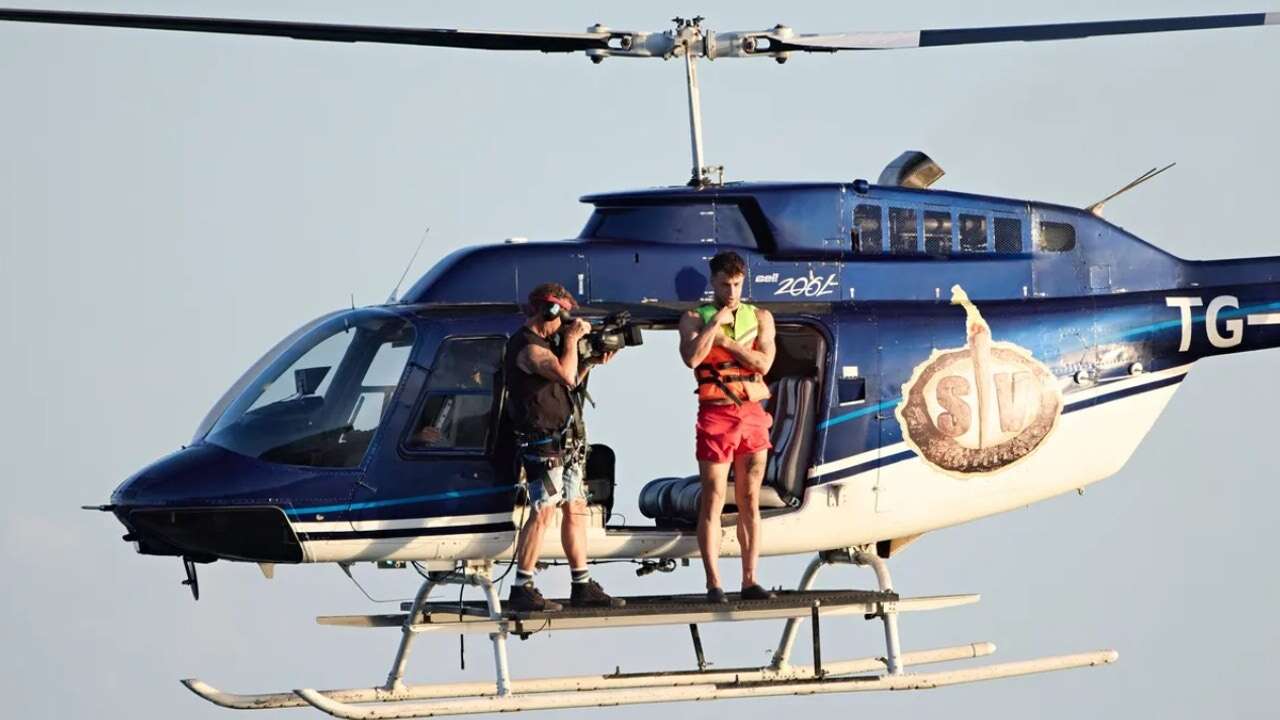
(439, 37)
(1011, 33)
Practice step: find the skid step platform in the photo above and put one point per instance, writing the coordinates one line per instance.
(473, 616)
(396, 699)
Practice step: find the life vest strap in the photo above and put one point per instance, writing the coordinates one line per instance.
(709, 374)
(729, 378)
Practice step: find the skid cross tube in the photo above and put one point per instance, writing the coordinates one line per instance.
(782, 655)
(471, 575)
(888, 610)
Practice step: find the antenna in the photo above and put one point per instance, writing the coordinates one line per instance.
(1096, 208)
(396, 290)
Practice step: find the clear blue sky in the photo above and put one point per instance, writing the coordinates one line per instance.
(173, 204)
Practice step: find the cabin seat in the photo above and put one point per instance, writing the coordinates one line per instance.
(675, 500)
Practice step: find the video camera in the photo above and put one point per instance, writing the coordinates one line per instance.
(616, 332)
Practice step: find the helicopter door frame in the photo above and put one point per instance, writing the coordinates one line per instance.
(847, 431)
(397, 415)
(411, 452)
(455, 482)
(908, 336)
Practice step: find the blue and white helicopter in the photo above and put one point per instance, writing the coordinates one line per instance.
(942, 357)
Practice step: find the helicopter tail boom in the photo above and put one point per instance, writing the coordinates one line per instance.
(1227, 306)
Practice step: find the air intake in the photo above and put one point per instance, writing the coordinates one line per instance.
(911, 169)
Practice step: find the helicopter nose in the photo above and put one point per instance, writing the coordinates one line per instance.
(183, 477)
(187, 504)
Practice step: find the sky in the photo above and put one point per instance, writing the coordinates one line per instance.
(171, 205)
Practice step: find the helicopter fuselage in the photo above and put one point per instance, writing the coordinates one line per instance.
(944, 357)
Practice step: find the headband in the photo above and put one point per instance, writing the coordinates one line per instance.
(564, 303)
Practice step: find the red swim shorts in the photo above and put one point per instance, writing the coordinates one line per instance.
(727, 430)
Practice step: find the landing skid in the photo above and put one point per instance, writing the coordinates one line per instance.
(780, 677)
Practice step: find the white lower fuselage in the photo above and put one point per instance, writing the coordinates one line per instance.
(850, 501)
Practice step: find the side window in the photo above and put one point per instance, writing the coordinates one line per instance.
(1008, 235)
(457, 411)
(902, 231)
(1056, 237)
(868, 232)
(937, 232)
(973, 233)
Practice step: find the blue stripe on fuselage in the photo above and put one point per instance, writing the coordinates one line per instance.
(857, 413)
(450, 495)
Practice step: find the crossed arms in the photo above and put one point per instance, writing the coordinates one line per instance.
(697, 340)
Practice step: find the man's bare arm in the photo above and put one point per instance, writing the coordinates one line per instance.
(537, 360)
(761, 358)
(696, 339)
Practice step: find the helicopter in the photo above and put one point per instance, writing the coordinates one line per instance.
(872, 308)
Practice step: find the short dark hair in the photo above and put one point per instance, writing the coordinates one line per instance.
(538, 297)
(728, 262)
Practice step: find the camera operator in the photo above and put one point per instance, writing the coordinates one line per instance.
(552, 446)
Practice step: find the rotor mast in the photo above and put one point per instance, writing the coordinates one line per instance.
(689, 32)
(700, 172)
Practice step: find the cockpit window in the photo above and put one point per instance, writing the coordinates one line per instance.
(1056, 237)
(321, 402)
(457, 411)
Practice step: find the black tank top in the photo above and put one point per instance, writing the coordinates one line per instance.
(534, 403)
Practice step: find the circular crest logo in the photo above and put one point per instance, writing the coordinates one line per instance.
(978, 409)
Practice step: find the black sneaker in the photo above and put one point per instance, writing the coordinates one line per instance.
(755, 592)
(716, 596)
(590, 594)
(526, 598)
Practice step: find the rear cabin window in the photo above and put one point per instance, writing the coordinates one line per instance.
(1008, 235)
(903, 235)
(868, 238)
(456, 413)
(937, 232)
(682, 224)
(1056, 237)
(676, 224)
(973, 233)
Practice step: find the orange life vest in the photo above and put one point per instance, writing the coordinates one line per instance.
(720, 377)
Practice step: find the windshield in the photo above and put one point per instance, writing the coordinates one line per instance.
(321, 401)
